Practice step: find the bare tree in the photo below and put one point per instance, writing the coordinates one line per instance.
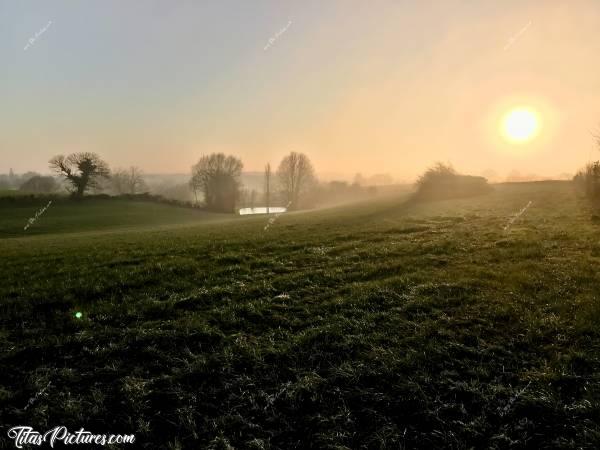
(135, 180)
(128, 181)
(296, 175)
(268, 185)
(118, 181)
(82, 170)
(218, 177)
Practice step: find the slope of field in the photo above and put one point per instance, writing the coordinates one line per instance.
(93, 214)
(383, 325)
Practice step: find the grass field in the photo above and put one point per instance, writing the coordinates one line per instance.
(93, 215)
(374, 325)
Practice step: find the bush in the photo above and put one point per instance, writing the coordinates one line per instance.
(441, 182)
(587, 180)
(40, 185)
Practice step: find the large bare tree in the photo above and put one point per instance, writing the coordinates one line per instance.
(217, 176)
(81, 170)
(296, 176)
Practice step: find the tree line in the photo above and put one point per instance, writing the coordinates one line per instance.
(216, 177)
(293, 184)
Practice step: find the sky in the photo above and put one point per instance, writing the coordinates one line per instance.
(385, 86)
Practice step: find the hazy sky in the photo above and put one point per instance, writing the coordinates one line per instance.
(360, 86)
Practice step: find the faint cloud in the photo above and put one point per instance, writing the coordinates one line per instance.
(514, 38)
(37, 35)
(276, 36)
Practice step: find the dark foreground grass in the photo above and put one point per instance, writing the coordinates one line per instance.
(371, 326)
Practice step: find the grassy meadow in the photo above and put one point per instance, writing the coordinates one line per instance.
(380, 325)
(92, 215)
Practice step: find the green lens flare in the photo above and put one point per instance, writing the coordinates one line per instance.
(78, 315)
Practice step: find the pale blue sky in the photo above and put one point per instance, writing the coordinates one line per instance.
(382, 86)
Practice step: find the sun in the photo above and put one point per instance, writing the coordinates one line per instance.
(520, 125)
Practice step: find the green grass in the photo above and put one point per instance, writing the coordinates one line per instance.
(13, 193)
(65, 215)
(377, 325)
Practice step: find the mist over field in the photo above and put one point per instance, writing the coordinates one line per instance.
(300, 225)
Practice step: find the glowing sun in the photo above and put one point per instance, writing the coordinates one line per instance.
(520, 125)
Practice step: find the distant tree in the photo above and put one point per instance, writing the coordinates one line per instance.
(20, 179)
(440, 172)
(100, 186)
(359, 180)
(268, 186)
(128, 181)
(81, 170)
(118, 181)
(442, 181)
(217, 176)
(135, 180)
(11, 178)
(296, 176)
(588, 178)
(40, 185)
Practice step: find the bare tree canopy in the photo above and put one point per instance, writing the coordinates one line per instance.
(82, 170)
(128, 181)
(217, 176)
(136, 181)
(296, 176)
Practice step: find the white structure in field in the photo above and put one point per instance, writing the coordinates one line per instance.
(263, 210)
